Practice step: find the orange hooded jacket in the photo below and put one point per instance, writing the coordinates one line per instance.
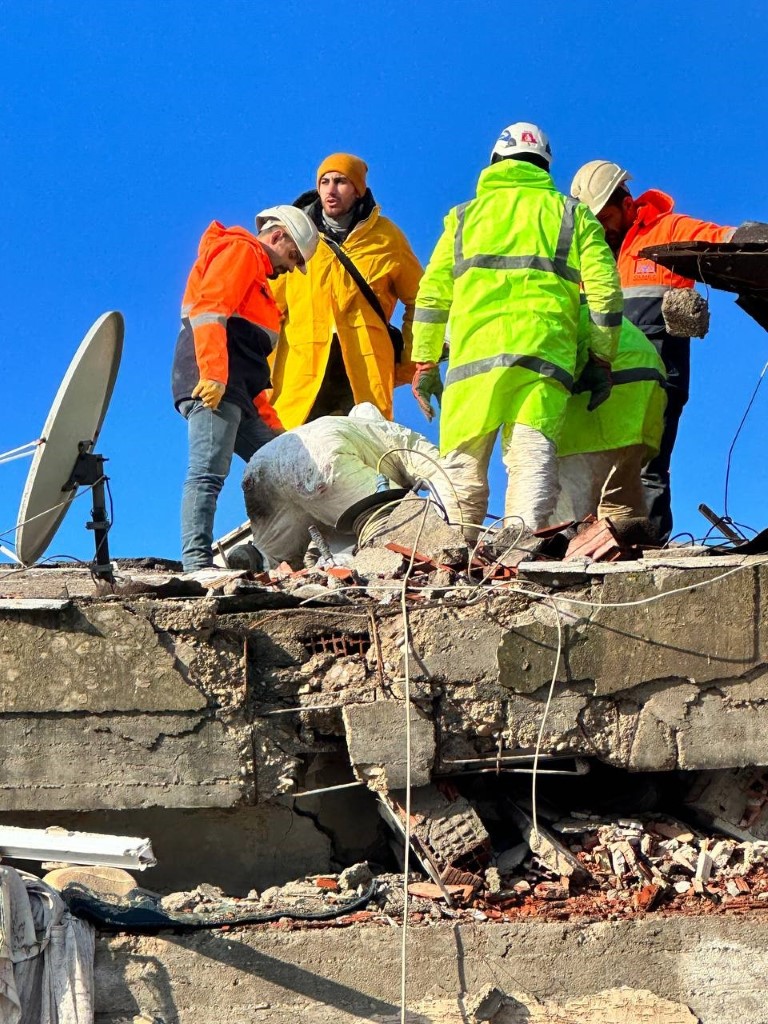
(644, 282)
(656, 224)
(230, 320)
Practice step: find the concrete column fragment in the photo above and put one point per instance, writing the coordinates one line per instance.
(377, 747)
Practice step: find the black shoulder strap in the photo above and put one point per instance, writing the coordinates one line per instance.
(357, 277)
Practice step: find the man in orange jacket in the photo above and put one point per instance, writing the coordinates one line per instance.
(631, 225)
(229, 325)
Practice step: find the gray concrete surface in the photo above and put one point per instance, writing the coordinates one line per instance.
(716, 965)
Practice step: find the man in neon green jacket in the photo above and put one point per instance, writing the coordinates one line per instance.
(504, 280)
(601, 454)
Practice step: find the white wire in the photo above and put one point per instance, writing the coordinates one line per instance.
(644, 600)
(540, 737)
(529, 590)
(491, 526)
(27, 453)
(23, 449)
(81, 492)
(423, 455)
(407, 687)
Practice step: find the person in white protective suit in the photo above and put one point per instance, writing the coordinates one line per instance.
(314, 473)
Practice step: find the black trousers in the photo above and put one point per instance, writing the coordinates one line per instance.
(656, 475)
(335, 396)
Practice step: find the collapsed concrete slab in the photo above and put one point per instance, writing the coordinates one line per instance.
(129, 701)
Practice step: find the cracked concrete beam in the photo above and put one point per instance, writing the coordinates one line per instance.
(122, 761)
(705, 634)
(93, 658)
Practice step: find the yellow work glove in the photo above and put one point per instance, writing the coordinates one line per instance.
(210, 392)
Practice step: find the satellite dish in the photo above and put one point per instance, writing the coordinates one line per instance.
(64, 459)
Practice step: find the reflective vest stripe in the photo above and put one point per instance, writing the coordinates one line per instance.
(219, 318)
(505, 360)
(458, 238)
(490, 261)
(565, 237)
(606, 319)
(636, 374)
(646, 291)
(430, 316)
(208, 318)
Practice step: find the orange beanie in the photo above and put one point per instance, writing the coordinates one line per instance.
(351, 167)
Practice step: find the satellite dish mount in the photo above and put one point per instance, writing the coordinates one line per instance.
(88, 471)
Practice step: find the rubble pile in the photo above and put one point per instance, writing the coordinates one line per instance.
(626, 867)
(644, 862)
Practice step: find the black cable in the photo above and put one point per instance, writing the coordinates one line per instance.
(683, 533)
(147, 916)
(735, 439)
(743, 526)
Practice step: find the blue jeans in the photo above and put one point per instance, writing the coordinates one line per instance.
(213, 435)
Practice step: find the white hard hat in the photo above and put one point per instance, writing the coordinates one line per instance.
(595, 183)
(522, 138)
(298, 225)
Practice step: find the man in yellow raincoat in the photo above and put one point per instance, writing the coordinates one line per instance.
(504, 281)
(335, 349)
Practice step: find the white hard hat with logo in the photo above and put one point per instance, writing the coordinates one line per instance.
(521, 139)
(595, 182)
(297, 224)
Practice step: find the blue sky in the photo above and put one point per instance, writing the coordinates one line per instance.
(128, 127)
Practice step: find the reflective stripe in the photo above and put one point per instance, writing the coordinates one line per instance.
(208, 318)
(212, 318)
(270, 333)
(505, 360)
(185, 310)
(646, 291)
(544, 263)
(602, 319)
(605, 319)
(458, 238)
(636, 374)
(273, 336)
(430, 316)
(488, 261)
(565, 238)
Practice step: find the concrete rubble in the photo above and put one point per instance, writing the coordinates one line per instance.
(253, 724)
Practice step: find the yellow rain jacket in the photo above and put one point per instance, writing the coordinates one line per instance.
(326, 301)
(504, 279)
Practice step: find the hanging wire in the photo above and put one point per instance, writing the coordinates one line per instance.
(46, 511)
(407, 689)
(24, 451)
(735, 439)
